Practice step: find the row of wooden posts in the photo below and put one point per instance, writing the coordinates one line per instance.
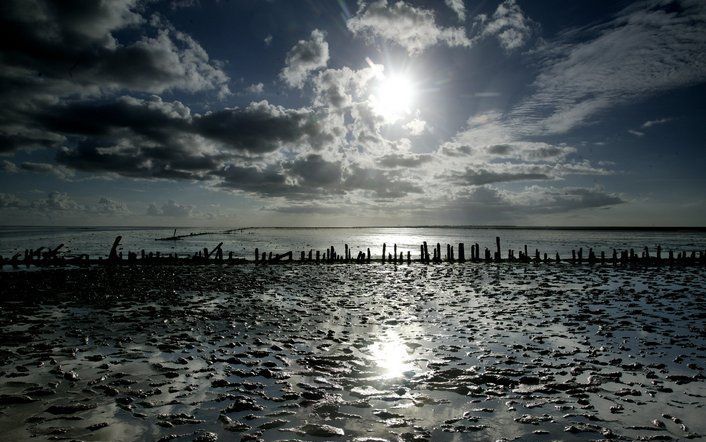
(50, 256)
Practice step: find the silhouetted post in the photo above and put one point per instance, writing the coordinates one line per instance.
(421, 253)
(557, 257)
(264, 256)
(409, 257)
(426, 252)
(438, 252)
(395, 252)
(487, 255)
(461, 253)
(573, 256)
(257, 254)
(602, 257)
(368, 255)
(310, 252)
(114, 250)
(526, 250)
(497, 248)
(659, 253)
(580, 254)
(318, 256)
(384, 246)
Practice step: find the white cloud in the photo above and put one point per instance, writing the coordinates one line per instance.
(255, 88)
(415, 29)
(645, 49)
(651, 123)
(458, 7)
(416, 126)
(171, 209)
(305, 57)
(508, 24)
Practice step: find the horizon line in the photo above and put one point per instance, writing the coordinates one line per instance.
(421, 226)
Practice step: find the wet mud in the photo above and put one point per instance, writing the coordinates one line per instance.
(366, 353)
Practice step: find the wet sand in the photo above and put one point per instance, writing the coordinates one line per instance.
(353, 352)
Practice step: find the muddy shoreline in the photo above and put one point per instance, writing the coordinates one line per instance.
(444, 352)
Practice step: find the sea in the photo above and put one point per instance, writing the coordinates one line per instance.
(97, 241)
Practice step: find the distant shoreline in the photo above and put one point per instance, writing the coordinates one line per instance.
(459, 227)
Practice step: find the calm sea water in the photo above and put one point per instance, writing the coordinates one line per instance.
(96, 241)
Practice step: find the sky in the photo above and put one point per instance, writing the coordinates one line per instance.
(351, 113)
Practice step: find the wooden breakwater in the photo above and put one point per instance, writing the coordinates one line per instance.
(47, 256)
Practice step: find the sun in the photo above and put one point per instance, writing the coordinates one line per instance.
(393, 96)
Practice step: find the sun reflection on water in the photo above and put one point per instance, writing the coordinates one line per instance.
(391, 355)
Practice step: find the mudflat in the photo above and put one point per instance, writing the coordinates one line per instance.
(353, 352)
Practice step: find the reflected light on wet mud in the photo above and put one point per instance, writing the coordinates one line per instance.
(391, 356)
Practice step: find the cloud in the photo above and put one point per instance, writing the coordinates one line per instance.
(416, 126)
(508, 24)
(483, 176)
(531, 200)
(305, 57)
(70, 49)
(393, 161)
(414, 29)
(57, 170)
(637, 133)
(61, 202)
(647, 48)
(458, 7)
(9, 167)
(255, 88)
(659, 121)
(170, 209)
(111, 207)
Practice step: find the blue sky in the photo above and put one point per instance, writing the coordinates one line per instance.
(353, 113)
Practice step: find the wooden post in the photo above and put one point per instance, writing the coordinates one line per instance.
(302, 256)
(395, 252)
(257, 254)
(318, 256)
(114, 250)
(449, 258)
(384, 246)
(368, 255)
(461, 253)
(409, 257)
(497, 248)
(346, 251)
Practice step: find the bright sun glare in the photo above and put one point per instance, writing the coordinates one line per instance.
(391, 356)
(393, 97)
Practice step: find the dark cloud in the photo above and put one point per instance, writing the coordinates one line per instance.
(399, 160)
(54, 169)
(54, 50)
(261, 128)
(314, 171)
(477, 177)
(384, 183)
